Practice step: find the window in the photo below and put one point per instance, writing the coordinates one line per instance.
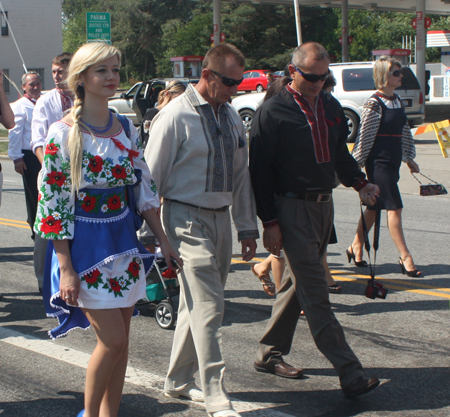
(40, 71)
(5, 80)
(358, 79)
(5, 31)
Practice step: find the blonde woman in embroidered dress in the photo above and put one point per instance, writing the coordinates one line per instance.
(383, 142)
(83, 210)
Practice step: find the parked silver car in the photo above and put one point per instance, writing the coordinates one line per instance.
(142, 96)
(354, 87)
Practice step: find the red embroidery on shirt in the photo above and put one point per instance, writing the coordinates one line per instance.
(318, 125)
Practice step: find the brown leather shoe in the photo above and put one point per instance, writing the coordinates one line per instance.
(360, 386)
(280, 368)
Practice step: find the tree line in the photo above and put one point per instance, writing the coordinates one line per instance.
(149, 32)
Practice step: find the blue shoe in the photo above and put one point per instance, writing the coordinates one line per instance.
(81, 413)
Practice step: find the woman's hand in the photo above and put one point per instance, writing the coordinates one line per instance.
(413, 167)
(168, 252)
(69, 286)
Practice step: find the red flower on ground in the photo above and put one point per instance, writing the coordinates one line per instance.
(115, 286)
(50, 225)
(89, 203)
(114, 202)
(51, 149)
(134, 268)
(95, 164)
(119, 172)
(57, 178)
(92, 277)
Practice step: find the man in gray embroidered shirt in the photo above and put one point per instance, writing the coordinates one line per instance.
(198, 156)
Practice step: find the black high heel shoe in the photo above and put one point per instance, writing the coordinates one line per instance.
(415, 273)
(351, 256)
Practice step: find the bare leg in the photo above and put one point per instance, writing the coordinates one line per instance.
(330, 279)
(396, 230)
(358, 242)
(264, 267)
(106, 369)
(277, 271)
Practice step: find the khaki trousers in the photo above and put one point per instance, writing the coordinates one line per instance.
(203, 239)
(306, 228)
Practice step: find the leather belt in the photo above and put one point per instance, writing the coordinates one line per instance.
(220, 209)
(316, 197)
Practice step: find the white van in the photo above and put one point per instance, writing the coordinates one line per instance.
(354, 87)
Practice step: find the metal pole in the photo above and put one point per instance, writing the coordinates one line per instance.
(298, 23)
(14, 38)
(344, 14)
(420, 44)
(216, 22)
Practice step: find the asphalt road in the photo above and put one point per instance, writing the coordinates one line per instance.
(403, 340)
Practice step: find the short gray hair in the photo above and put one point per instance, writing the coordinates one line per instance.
(302, 52)
(24, 76)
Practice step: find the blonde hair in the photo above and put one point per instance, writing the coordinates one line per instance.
(86, 56)
(165, 95)
(383, 66)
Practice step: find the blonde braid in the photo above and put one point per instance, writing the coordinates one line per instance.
(76, 141)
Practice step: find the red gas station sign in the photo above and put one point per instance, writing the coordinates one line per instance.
(426, 23)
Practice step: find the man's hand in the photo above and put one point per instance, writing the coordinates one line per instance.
(19, 167)
(369, 193)
(273, 240)
(250, 244)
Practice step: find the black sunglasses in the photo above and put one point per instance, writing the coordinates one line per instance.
(228, 82)
(312, 78)
(396, 73)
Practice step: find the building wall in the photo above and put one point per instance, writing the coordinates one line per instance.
(37, 27)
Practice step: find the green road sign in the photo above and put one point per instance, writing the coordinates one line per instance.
(98, 27)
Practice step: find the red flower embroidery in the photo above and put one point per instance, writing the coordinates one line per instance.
(50, 225)
(119, 172)
(39, 197)
(56, 178)
(89, 203)
(51, 149)
(95, 164)
(115, 286)
(134, 268)
(114, 202)
(92, 277)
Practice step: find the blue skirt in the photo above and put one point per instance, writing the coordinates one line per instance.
(106, 254)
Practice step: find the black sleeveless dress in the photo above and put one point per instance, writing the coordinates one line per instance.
(385, 158)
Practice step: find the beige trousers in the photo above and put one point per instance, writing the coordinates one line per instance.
(203, 240)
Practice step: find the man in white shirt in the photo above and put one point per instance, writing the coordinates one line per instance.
(198, 156)
(19, 149)
(48, 110)
(52, 105)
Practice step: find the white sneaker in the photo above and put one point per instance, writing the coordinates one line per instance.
(225, 413)
(193, 394)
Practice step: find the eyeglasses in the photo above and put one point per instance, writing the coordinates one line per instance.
(312, 78)
(396, 73)
(228, 82)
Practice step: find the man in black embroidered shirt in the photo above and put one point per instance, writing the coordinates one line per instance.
(298, 142)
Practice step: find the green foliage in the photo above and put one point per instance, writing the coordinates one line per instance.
(150, 32)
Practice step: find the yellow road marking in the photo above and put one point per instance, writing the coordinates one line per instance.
(16, 225)
(399, 285)
(13, 221)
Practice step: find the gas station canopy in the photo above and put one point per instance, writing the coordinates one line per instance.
(431, 6)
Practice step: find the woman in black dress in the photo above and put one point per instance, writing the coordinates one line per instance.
(383, 142)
